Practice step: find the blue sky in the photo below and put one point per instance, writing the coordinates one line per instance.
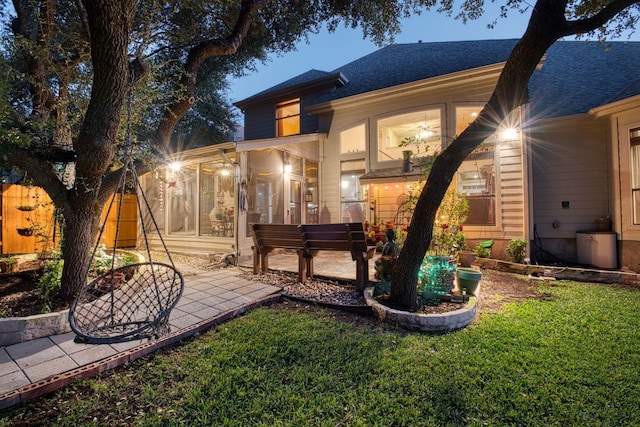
(328, 51)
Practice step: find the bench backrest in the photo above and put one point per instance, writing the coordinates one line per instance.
(334, 237)
(285, 236)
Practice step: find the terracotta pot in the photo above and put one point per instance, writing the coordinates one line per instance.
(465, 258)
(104, 284)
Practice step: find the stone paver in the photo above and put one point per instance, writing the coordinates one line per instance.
(208, 294)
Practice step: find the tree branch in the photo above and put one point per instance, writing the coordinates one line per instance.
(598, 20)
(197, 55)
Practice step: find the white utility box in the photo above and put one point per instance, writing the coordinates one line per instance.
(597, 248)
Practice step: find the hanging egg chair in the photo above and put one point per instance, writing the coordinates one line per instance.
(127, 302)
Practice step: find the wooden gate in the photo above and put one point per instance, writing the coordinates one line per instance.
(28, 222)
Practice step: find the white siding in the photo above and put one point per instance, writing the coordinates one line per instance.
(368, 108)
(570, 163)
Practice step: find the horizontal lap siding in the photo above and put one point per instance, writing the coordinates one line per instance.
(570, 163)
(511, 185)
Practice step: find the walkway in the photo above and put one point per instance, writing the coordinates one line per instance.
(33, 368)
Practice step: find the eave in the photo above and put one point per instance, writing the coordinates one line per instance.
(256, 144)
(615, 107)
(335, 79)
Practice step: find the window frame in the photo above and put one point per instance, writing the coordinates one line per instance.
(425, 110)
(280, 119)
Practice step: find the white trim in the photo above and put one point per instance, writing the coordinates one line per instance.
(616, 107)
(400, 91)
(256, 144)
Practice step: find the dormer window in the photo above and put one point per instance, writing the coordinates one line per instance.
(288, 118)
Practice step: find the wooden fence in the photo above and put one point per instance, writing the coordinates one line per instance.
(28, 224)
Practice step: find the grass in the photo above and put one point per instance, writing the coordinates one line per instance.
(570, 360)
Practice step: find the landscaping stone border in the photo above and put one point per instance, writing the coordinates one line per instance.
(14, 330)
(433, 323)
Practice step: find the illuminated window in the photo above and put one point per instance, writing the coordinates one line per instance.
(352, 194)
(419, 132)
(464, 117)
(634, 136)
(288, 118)
(476, 177)
(353, 140)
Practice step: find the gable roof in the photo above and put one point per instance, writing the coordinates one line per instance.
(575, 77)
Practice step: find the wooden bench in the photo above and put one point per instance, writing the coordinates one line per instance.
(267, 237)
(348, 237)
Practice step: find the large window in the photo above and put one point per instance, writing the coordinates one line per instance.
(352, 193)
(634, 136)
(217, 202)
(288, 118)
(476, 177)
(265, 187)
(181, 199)
(402, 132)
(353, 140)
(155, 192)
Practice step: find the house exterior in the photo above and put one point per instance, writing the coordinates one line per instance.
(330, 147)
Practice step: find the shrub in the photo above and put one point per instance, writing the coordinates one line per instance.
(49, 281)
(482, 251)
(516, 250)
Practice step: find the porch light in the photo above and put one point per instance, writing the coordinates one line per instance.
(509, 134)
(308, 196)
(174, 166)
(225, 172)
(287, 168)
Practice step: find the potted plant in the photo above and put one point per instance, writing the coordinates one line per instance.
(466, 258)
(111, 280)
(384, 271)
(25, 231)
(467, 280)
(8, 264)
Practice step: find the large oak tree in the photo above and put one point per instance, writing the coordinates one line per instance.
(550, 20)
(69, 67)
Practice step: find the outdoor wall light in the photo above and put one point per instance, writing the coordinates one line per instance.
(308, 196)
(509, 134)
(287, 168)
(225, 172)
(174, 166)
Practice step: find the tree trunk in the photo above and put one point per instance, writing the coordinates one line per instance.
(78, 241)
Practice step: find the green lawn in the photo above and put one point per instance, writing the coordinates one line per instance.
(571, 360)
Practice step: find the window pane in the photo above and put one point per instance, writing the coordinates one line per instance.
(634, 135)
(464, 117)
(265, 187)
(154, 191)
(353, 140)
(393, 202)
(395, 132)
(476, 180)
(353, 197)
(216, 199)
(181, 200)
(288, 118)
(311, 194)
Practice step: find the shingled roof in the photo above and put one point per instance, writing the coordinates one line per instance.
(575, 77)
